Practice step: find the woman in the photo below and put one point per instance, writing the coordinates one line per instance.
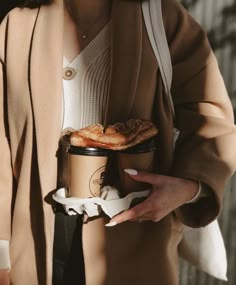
(107, 46)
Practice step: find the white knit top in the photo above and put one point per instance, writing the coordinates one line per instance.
(85, 92)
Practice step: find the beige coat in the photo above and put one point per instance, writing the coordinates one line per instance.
(30, 124)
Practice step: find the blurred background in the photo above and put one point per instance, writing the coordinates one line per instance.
(218, 19)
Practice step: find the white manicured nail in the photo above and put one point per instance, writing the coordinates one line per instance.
(111, 224)
(131, 171)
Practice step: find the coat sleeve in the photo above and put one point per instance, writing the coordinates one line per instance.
(205, 150)
(6, 176)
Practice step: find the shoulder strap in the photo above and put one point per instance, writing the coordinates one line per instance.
(152, 13)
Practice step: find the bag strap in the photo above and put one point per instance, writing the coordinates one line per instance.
(152, 12)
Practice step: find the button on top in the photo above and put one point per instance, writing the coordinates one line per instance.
(69, 73)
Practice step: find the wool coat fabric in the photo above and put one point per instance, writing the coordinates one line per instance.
(31, 52)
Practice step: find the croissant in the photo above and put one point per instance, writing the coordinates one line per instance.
(118, 136)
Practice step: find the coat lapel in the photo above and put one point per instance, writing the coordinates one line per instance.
(46, 87)
(126, 59)
(46, 76)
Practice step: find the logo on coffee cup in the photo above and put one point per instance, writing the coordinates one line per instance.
(96, 180)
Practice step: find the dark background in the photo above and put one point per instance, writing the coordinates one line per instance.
(6, 5)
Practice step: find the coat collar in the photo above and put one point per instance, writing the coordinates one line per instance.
(46, 72)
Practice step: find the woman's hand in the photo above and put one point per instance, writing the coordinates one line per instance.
(4, 277)
(167, 194)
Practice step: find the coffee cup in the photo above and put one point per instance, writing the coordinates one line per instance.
(86, 171)
(140, 157)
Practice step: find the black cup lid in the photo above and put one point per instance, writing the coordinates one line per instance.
(90, 151)
(146, 146)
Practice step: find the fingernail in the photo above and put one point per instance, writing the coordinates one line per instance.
(131, 171)
(111, 224)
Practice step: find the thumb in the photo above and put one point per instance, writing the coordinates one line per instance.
(143, 176)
